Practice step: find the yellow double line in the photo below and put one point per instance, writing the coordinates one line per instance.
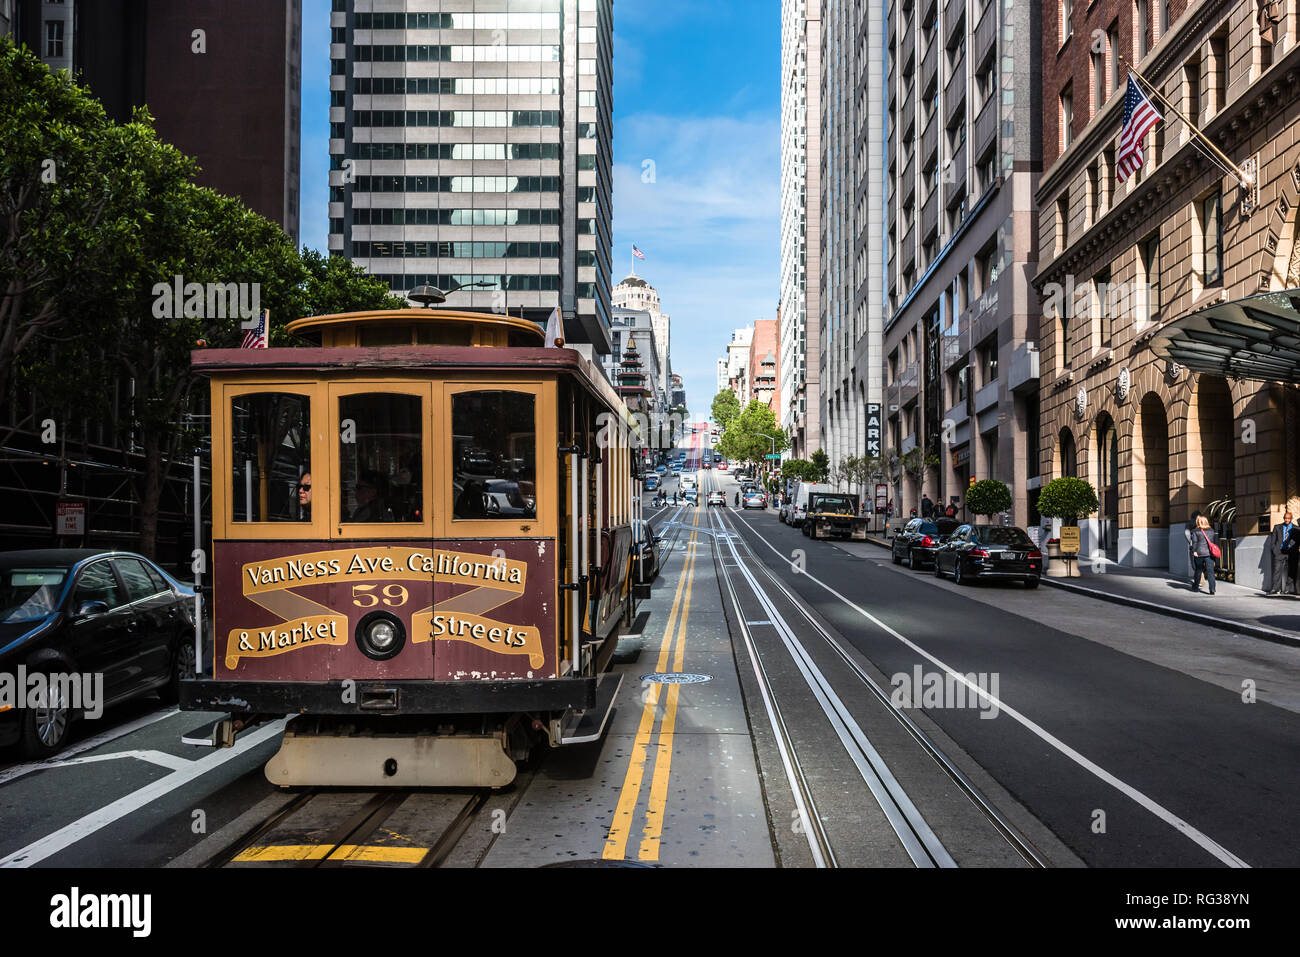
(621, 828)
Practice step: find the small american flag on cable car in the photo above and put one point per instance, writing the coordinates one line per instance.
(255, 338)
(1140, 114)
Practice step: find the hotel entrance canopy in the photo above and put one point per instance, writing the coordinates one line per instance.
(1256, 338)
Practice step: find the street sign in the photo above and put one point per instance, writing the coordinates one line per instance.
(70, 518)
(882, 499)
(771, 456)
(1069, 539)
(874, 430)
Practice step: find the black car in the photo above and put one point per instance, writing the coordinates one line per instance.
(990, 551)
(919, 539)
(82, 612)
(645, 548)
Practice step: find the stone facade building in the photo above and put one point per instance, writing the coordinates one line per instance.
(1182, 245)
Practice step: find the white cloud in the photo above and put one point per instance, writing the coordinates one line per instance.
(709, 226)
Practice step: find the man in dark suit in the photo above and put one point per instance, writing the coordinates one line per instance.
(1284, 543)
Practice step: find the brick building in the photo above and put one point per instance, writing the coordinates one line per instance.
(1179, 249)
(763, 366)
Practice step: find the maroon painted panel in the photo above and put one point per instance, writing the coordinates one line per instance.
(506, 589)
(288, 610)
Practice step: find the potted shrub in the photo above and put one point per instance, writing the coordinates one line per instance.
(1068, 499)
(988, 497)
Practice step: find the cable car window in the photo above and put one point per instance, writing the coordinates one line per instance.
(380, 469)
(494, 446)
(271, 450)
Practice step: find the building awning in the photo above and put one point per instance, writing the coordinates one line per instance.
(1256, 338)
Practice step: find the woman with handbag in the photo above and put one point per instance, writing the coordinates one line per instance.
(1205, 553)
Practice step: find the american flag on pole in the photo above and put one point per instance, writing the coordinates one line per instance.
(637, 253)
(255, 338)
(1140, 114)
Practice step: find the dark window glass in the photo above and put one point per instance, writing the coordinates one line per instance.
(380, 450)
(97, 583)
(1213, 223)
(29, 594)
(139, 584)
(495, 469)
(1002, 535)
(271, 448)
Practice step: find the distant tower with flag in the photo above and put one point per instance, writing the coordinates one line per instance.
(635, 293)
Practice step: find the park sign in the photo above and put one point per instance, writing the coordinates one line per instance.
(874, 430)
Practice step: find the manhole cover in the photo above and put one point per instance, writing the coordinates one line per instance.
(676, 678)
(597, 862)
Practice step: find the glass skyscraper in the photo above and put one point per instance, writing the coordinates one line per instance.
(471, 144)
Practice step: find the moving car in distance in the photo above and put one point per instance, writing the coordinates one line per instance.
(651, 483)
(989, 551)
(918, 540)
(692, 496)
(717, 498)
(754, 499)
(75, 612)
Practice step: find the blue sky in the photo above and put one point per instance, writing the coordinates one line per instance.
(697, 91)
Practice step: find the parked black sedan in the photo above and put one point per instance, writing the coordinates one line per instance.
(114, 622)
(645, 544)
(919, 539)
(990, 551)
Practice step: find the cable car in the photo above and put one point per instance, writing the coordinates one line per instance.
(422, 530)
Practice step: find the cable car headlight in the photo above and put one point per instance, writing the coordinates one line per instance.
(380, 635)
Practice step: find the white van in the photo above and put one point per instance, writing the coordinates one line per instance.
(798, 507)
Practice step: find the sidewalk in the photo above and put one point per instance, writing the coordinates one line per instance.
(1232, 608)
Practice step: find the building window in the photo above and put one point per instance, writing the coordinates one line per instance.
(988, 360)
(1067, 13)
(1142, 26)
(1212, 238)
(1192, 87)
(1149, 275)
(1112, 54)
(53, 38)
(1104, 306)
(1098, 60)
(1062, 222)
(1067, 116)
(1094, 194)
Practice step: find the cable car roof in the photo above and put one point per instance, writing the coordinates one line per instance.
(312, 328)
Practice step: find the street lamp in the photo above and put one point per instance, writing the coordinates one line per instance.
(431, 295)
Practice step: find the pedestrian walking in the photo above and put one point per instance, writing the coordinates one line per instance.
(927, 506)
(1205, 553)
(1284, 542)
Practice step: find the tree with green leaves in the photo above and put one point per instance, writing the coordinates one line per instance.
(988, 497)
(1067, 498)
(747, 437)
(98, 219)
(801, 469)
(725, 408)
(822, 463)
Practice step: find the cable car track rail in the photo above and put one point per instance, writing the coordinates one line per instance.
(1023, 847)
